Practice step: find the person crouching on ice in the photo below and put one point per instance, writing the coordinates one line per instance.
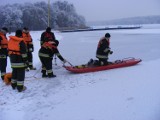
(103, 49)
(46, 53)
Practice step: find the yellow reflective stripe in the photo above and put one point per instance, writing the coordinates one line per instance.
(43, 55)
(20, 82)
(101, 56)
(24, 55)
(3, 56)
(58, 54)
(49, 71)
(13, 81)
(43, 68)
(30, 63)
(17, 65)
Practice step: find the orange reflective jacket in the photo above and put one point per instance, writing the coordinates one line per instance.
(13, 45)
(49, 45)
(4, 42)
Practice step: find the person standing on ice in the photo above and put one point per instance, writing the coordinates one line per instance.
(46, 36)
(103, 49)
(18, 58)
(3, 51)
(30, 48)
(46, 53)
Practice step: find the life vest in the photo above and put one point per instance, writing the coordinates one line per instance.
(27, 38)
(49, 45)
(13, 45)
(4, 42)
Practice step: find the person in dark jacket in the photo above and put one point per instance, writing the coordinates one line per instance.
(103, 49)
(3, 51)
(46, 53)
(30, 48)
(18, 58)
(48, 35)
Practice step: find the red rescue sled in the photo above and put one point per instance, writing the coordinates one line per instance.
(116, 64)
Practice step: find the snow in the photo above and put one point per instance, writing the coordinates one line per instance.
(130, 93)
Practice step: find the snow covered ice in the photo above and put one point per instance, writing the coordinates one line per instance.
(130, 93)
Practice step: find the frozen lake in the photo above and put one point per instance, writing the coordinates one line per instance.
(139, 43)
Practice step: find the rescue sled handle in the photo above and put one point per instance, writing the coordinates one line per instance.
(68, 63)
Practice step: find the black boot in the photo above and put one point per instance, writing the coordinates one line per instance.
(90, 62)
(14, 85)
(21, 88)
(51, 75)
(44, 75)
(32, 68)
(2, 77)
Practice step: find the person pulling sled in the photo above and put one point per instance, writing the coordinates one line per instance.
(46, 53)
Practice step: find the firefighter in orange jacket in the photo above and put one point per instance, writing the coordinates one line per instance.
(46, 52)
(30, 48)
(3, 51)
(18, 58)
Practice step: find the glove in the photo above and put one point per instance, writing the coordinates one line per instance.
(27, 64)
(30, 50)
(111, 52)
(64, 61)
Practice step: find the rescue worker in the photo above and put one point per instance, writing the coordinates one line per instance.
(3, 51)
(103, 49)
(30, 48)
(47, 36)
(46, 52)
(18, 57)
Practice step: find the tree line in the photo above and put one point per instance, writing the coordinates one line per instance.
(63, 15)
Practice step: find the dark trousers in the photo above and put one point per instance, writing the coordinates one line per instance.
(47, 64)
(30, 59)
(18, 75)
(3, 65)
(103, 61)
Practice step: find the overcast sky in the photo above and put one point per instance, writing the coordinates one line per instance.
(94, 10)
